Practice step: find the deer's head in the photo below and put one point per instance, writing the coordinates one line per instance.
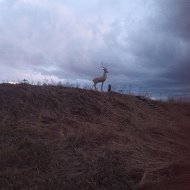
(104, 68)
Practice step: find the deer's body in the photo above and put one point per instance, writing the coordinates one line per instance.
(100, 79)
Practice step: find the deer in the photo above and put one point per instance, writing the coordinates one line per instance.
(100, 79)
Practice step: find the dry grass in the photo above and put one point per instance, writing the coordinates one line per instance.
(52, 137)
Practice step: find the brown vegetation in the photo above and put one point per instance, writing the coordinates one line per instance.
(54, 138)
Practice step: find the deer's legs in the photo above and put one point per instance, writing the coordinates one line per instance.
(102, 86)
(94, 86)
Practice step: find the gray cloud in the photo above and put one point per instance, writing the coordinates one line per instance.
(145, 43)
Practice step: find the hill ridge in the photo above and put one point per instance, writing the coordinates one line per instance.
(53, 137)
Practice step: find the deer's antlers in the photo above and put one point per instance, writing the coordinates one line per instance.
(104, 67)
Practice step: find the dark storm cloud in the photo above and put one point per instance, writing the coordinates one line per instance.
(162, 49)
(175, 17)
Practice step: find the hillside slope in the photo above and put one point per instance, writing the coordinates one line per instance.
(54, 138)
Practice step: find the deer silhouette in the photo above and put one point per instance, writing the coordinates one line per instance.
(100, 79)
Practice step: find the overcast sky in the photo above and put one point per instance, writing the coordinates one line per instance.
(144, 43)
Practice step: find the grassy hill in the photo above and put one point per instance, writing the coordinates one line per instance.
(54, 138)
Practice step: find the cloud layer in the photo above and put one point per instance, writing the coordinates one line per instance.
(145, 44)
